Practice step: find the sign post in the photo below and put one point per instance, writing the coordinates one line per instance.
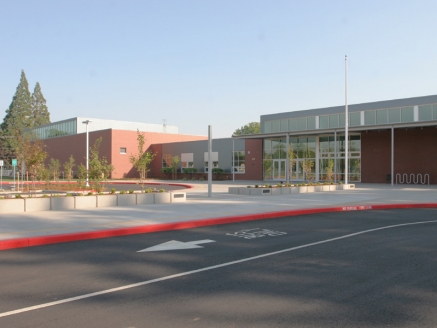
(14, 164)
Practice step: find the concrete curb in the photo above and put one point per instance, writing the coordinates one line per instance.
(62, 238)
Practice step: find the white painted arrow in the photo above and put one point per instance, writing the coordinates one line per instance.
(174, 244)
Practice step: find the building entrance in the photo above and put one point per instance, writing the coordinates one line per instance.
(279, 169)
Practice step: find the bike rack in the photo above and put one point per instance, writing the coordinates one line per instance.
(412, 178)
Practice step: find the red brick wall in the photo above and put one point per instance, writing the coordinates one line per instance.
(128, 140)
(63, 147)
(112, 140)
(254, 160)
(414, 153)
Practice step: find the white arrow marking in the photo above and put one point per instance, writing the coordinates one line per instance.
(174, 244)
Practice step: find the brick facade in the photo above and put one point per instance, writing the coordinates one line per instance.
(414, 153)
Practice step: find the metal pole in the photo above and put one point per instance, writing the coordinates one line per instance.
(392, 155)
(87, 155)
(287, 161)
(335, 156)
(209, 161)
(1, 178)
(233, 159)
(346, 123)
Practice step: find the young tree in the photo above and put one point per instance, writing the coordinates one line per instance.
(34, 156)
(99, 168)
(54, 167)
(142, 160)
(68, 168)
(250, 128)
(174, 166)
(18, 116)
(330, 170)
(291, 161)
(40, 112)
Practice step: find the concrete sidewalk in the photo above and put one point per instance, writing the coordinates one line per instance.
(199, 206)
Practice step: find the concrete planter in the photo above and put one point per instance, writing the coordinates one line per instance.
(285, 190)
(162, 198)
(126, 200)
(61, 203)
(85, 202)
(332, 187)
(178, 197)
(325, 188)
(311, 189)
(245, 191)
(37, 204)
(260, 191)
(143, 199)
(294, 190)
(11, 205)
(106, 200)
(276, 191)
(319, 188)
(345, 186)
(302, 189)
(234, 190)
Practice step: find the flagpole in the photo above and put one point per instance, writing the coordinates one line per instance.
(346, 123)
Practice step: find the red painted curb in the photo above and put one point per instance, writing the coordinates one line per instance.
(45, 240)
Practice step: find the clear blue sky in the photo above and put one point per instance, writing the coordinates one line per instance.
(223, 63)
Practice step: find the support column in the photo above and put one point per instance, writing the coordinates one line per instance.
(335, 156)
(287, 161)
(233, 158)
(392, 155)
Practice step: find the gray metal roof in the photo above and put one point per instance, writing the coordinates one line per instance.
(406, 102)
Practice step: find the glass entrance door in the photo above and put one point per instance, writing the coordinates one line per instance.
(279, 169)
(297, 171)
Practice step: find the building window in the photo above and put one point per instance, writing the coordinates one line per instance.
(370, 117)
(407, 114)
(166, 160)
(268, 127)
(324, 122)
(292, 124)
(394, 115)
(284, 125)
(214, 160)
(381, 116)
(311, 123)
(187, 160)
(276, 126)
(425, 113)
(355, 119)
(122, 150)
(238, 162)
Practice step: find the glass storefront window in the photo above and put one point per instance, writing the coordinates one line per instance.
(425, 113)
(434, 109)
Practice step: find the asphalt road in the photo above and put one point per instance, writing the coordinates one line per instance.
(308, 271)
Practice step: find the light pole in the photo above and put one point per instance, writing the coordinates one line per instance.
(87, 149)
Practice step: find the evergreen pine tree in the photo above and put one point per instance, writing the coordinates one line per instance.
(40, 112)
(18, 115)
